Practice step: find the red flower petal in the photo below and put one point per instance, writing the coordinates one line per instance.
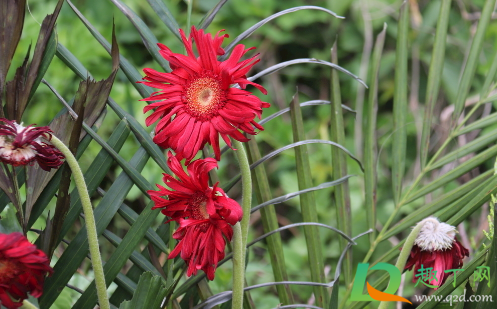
(199, 89)
(23, 268)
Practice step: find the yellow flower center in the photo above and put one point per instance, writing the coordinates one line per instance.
(204, 96)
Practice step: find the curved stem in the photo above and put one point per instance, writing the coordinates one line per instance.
(241, 241)
(406, 250)
(91, 228)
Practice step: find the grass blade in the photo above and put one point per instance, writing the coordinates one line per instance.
(129, 70)
(341, 193)
(473, 146)
(308, 205)
(434, 78)
(165, 15)
(148, 38)
(206, 21)
(454, 173)
(369, 134)
(473, 58)
(438, 204)
(269, 223)
(284, 64)
(252, 29)
(400, 104)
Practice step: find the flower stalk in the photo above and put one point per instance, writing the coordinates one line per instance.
(241, 232)
(91, 228)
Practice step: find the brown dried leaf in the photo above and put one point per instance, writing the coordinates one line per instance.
(11, 23)
(26, 75)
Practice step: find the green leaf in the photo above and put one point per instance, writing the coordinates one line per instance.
(284, 64)
(235, 179)
(479, 124)
(308, 103)
(269, 222)
(76, 252)
(252, 29)
(165, 15)
(8, 221)
(341, 194)
(434, 78)
(400, 104)
(130, 216)
(125, 291)
(129, 70)
(452, 198)
(137, 178)
(471, 147)
(308, 204)
(140, 133)
(369, 133)
(135, 257)
(454, 173)
(473, 58)
(149, 39)
(209, 17)
(149, 294)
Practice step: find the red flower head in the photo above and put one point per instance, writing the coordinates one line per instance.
(204, 213)
(23, 145)
(22, 270)
(436, 247)
(198, 93)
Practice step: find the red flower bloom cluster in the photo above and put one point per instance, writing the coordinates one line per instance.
(198, 94)
(436, 247)
(204, 214)
(22, 270)
(23, 145)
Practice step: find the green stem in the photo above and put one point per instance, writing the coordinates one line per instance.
(91, 228)
(238, 267)
(406, 250)
(27, 305)
(239, 249)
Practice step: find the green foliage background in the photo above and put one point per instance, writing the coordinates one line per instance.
(303, 34)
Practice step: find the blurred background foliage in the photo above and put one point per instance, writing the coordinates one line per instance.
(303, 34)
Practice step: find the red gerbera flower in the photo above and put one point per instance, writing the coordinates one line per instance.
(204, 213)
(23, 268)
(23, 145)
(198, 94)
(437, 248)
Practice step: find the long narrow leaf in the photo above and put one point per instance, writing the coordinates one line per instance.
(282, 65)
(369, 133)
(400, 104)
(473, 58)
(308, 204)
(165, 15)
(252, 29)
(341, 194)
(434, 77)
(269, 223)
(149, 39)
